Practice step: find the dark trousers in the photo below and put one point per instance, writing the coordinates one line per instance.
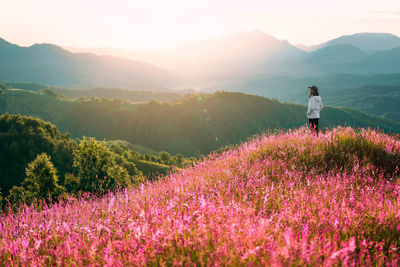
(313, 124)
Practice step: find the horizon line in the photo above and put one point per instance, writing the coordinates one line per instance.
(66, 46)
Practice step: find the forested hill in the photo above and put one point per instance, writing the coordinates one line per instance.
(193, 125)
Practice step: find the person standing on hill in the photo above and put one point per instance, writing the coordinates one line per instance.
(314, 107)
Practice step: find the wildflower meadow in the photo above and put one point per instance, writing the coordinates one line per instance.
(282, 198)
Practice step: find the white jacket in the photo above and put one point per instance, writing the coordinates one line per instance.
(314, 107)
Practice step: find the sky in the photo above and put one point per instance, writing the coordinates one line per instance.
(134, 24)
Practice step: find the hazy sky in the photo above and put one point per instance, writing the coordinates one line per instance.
(160, 23)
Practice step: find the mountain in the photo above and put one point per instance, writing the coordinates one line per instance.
(223, 63)
(4, 43)
(368, 42)
(254, 55)
(50, 64)
(388, 56)
(218, 60)
(380, 62)
(337, 54)
(363, 53)
(374, 93)
(241, 53)
(192, 125)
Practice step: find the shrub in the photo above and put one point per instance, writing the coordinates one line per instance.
(346, 151)
(3, 86)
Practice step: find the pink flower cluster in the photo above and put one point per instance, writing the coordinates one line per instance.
(254, 205)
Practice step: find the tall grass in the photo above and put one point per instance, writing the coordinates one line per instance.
(288, 198)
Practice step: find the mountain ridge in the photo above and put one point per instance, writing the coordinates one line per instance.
(343, 53)
(212, 63)
(369, 42)
(52, 64)
(263, 54)
(239, 54)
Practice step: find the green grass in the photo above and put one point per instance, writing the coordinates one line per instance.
(151, 169)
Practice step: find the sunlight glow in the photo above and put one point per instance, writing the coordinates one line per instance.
(156, 23)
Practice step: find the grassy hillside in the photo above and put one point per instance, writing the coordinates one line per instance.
(152, 170)
(282, 199)
(192, 125)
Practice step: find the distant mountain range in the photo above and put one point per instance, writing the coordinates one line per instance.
(50, 64)
(368, 42)
(217, 60)
(255, 54)
(226, 61)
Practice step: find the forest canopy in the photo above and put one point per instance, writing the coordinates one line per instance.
(42, 163)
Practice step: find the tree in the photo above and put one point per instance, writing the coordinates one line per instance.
(41, 182)
(164, 156)
(97, 167)
(41, 179)
(125, 162)
(22, 138)
(179, 159)
(172, 161)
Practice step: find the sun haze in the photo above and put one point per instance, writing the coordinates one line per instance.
(156, 23)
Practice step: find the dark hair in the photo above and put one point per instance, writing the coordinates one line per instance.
(314, 90)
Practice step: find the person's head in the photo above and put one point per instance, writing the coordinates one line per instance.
(313, 90)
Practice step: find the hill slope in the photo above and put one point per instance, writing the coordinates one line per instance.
(376, 100)
(352, 88)
(284, 199)
(193, 125)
